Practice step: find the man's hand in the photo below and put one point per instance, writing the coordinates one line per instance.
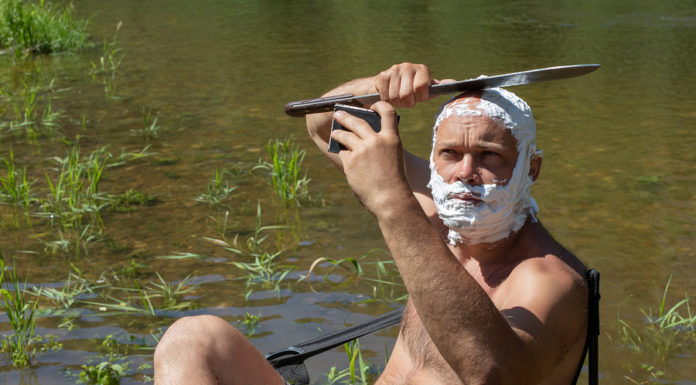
(373, 162)
(404, 85)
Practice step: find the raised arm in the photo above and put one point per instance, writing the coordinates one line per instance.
(402, 85)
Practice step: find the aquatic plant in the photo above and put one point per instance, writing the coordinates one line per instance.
(150, 130)
(349, 375)
(170, 294)
(382, 275)
(129, 200)
(40, 27)
(249, 321)
(104, 373)
(219, 189)
(21, 344)
(15, 189)
(663, 334)
(74, 195)
(111, 57)
(67, 297)
(285, 169)
(32, 106)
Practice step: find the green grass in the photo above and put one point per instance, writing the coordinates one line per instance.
(357, 370)
(219, 189)
(289, 183)
(111, 57)
(40, 27)
(33, 115)
(382, 275)
(15, 189)
(22, 343)
(151, 129)
(665, 333)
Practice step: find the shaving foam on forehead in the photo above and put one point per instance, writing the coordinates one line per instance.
(504, 207)
(498, 104)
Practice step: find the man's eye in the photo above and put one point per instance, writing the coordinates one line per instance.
(490, 153)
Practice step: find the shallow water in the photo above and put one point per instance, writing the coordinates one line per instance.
(617, 185)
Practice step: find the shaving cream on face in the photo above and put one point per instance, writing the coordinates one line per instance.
(503, 208)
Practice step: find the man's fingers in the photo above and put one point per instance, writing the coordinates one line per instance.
(421, 83)
(359, 127)
(390, 124)
(347, 138)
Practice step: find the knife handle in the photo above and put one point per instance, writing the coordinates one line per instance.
(311, 106)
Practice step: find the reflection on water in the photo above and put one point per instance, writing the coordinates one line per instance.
(617, 186)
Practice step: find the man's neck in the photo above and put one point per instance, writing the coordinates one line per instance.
(506, 251)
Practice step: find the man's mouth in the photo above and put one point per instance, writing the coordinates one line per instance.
(468, 198)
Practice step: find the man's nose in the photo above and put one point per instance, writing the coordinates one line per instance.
(468, 170)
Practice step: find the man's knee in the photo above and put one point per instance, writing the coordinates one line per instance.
(200, 335)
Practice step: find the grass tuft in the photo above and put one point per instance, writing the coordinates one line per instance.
(21, 344)
(40, 27)
(290, 184)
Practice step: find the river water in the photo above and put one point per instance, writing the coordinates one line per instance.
(617, 187)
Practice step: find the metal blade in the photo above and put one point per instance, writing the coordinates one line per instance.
(310, 106)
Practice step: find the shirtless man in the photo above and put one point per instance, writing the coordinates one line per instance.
(493, 298)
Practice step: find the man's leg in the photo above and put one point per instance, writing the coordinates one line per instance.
(208, 350)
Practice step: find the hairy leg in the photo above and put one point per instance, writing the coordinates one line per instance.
(208, 350)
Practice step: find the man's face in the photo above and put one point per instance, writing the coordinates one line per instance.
(475, 150)
(479, 179)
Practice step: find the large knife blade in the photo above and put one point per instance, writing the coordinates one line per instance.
(311, 106)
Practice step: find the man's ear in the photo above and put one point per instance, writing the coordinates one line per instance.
(535, 166)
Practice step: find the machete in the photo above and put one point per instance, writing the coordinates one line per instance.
(311, 106)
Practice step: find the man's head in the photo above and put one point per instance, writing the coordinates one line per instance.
(483, 163)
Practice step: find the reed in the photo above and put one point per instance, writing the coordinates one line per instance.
(219, 189)
(15, 188)
(22, 343)
(664, 333)
(40, 27)
(151, 129)
(74, 194)
(171, 295)
(289, 183)
(382, 275)
(111, 57)
(34, 115)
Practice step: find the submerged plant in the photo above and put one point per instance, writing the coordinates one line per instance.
(219, 189)
(285, 168)
(150, 130)
(21, 344)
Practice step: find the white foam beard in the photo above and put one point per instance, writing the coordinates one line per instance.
(502, 210)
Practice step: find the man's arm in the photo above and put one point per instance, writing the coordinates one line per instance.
(523, 343)
(402, 85)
